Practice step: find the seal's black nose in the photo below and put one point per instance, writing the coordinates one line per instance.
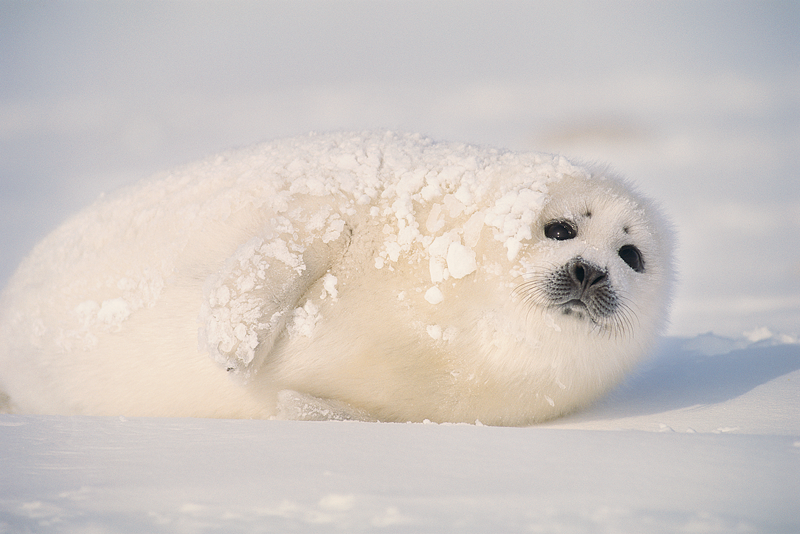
(585, 275)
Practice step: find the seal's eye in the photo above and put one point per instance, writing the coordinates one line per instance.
(559, 230)
(632, 257)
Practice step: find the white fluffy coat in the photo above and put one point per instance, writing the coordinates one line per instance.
(376, 275)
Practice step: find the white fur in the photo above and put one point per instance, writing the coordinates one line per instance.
(373, 274)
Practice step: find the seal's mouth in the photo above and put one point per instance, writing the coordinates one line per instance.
(575, 308)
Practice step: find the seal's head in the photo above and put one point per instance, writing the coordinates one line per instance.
(600, 260)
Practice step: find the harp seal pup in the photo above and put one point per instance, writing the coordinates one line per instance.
(374, 276)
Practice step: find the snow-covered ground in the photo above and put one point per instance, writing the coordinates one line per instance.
(698, 102)
(706, 438)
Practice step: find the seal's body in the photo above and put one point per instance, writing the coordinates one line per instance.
(374, 276)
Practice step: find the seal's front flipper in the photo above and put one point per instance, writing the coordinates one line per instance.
(247, 302)
(296, 406)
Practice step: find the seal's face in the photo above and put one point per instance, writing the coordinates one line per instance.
(582, 288)
(595, 259)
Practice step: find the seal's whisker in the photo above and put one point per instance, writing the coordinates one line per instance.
(552, 287)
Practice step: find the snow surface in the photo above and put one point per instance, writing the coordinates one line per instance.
(88, 475)
(705, 438)
(697, 101)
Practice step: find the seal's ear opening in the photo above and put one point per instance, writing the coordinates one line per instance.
(249, 301)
